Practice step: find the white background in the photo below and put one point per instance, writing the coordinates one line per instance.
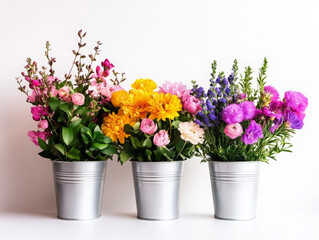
(162, 40)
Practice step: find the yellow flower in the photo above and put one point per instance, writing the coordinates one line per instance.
(118, 98)
(144, 84)
(164, 106)
(113, 126)
(136, 104)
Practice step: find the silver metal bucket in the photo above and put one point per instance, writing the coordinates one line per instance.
(157, 186)
(234, 187)
(79, 189)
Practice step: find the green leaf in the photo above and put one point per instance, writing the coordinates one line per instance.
(103, 139)
(54, 103)
(67, 108)
(158, 155)
(89, 154)
(86, 134)
(74, 154)
(176, 123)
(136, 143)
(148, 152)
(147, 143)
(100, 145)
(46, 154)
(97, 129)
(42, 144)
(67, 135)
(91, 126)
(106, 110)
(110, 150)
(82, 111)
(124, 156)
(75, 122)
(61, 148)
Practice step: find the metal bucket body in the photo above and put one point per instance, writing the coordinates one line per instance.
(234, 187)
(79, 189)
(157, 187)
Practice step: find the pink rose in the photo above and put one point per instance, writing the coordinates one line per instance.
(233, 130)
(34, 136)
(148, 126)
(43, 124)
(78, 99)
(191, 104)
(64, 92)
(161, 138)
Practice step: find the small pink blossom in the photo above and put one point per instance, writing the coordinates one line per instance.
(233, 130)
(37, 112)
(107, 66)
(51, 79)
(192, 104)
(64, 92)
(161, 138)
(34, 136)
(148, 126)
(32, 97)
(43, 124)
(78, 99)
(54, 92)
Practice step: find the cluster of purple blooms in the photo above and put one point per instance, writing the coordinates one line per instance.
(222, 104)
(221, 92)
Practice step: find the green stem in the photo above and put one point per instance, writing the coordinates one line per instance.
(181, 150)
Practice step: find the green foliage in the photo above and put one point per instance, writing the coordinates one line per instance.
(246, 83)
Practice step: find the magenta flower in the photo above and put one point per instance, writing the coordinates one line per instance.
(293, 121)
(161, 138)
(99, 74)
(233, 130)
(34, 136)
(270, 94)
(43, 124)
(107, 66)
(148, 126)
(249, 110)
(37, 112)
(233, 113)
(271, 114)
(192, 105)
(252, 133)
(296, 101)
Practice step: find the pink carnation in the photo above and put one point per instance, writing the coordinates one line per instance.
(249, 110)
(178, 89)
(161, 138)
(233, 130)
(296, 101)
(148, 126)
(270, 94)
(233, 113)
(78, 99)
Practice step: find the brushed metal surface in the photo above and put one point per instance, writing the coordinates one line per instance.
(234, 188)
(157, 187)
(79, 189)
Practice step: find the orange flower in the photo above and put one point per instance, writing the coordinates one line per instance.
(162, 106)
(118, 98)
(136, 104)
(144, 84)
(113, 126)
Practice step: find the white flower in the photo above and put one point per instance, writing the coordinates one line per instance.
(191, 132)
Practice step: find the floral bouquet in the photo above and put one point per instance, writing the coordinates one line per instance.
(154, 125)
(246, 124)
(69, 113)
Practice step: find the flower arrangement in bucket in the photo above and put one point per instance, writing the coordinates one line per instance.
(243, 126)
(156, 131)
(69, 113)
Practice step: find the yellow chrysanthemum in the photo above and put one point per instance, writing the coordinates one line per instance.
(144, 84)
(113, 126)
(136, 104)
(118, 98)
(162, 106)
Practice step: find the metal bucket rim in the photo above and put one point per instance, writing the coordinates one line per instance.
(239, 162)
(158, 161)
(77, 162)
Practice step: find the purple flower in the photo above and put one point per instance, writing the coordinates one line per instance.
(249, 110)
(233, 113)
(293, 121)
(223, 101)
(199, 122)
(212, 115)
(270, 94)
(271, 114)
(252, 133)
(209, 104)
(296, 101)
